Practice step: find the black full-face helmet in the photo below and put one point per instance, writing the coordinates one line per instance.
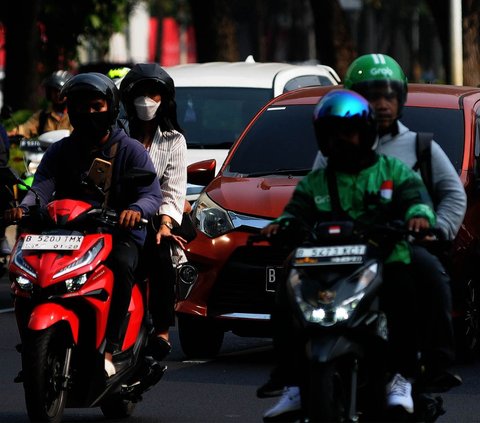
(93, 82)
(346, 110)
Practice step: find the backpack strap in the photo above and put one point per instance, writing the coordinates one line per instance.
(423, 149)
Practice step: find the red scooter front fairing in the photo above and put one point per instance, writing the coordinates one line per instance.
(62, 286)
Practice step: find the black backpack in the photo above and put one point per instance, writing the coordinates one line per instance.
(423, 149)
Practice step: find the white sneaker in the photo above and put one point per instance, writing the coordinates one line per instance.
(109, 368)
(399, 393)
(289, 405)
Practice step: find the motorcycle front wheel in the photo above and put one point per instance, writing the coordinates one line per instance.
(46, 366)
(324, 396)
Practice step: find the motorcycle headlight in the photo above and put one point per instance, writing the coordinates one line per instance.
(18, 260)
(23, 283)
(74, 284)
(210, 218)
(328, 307)
(86, 259)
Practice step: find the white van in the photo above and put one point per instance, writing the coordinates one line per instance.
(216, 100)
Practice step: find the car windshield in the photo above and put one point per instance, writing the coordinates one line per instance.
(214, 117)
(446, 126)
(282, 140)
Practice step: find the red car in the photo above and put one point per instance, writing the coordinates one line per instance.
(229, 286)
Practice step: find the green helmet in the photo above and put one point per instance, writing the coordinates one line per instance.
(376, 70)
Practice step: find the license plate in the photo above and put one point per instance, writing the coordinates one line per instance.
(336, 251)
(341, 254)
(52, 242)
(272, 274)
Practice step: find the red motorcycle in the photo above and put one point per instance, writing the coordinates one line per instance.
(62, 288)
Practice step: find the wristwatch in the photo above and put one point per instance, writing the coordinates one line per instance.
(167, 224)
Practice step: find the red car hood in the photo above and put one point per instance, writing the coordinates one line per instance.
(262, 197)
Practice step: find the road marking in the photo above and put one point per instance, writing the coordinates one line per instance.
(6, 310)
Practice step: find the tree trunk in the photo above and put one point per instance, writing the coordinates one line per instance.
(471, 38)
(215, 30)
(21, 48)
(334, 42)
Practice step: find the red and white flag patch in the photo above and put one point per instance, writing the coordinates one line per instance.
(386, 190)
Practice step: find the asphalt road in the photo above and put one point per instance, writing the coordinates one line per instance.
(220, 390)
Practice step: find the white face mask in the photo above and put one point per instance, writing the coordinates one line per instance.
(146, 108)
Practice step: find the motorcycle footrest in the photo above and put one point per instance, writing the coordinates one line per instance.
(154, 374)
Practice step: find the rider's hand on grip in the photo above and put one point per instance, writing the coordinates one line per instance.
(13, 215)
(129, 219)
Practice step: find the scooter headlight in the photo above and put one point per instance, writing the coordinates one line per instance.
(23, 283)
(74, 284)
(328, 307)
(86, 259)
(18, 260)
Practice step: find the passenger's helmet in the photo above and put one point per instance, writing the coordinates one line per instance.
(344, 109)
(57, 79)
(139, 75)
(95, 83)
(377, 70)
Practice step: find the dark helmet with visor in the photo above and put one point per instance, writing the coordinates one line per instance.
(57, 79)
(93, 82)
(141, 75)
(347, 111)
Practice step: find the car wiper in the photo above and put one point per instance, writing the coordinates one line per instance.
(280, 171)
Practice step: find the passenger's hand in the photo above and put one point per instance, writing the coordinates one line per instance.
(165, 232)
(129, 219)
(13, 215)
(417, 224)
(270, 230)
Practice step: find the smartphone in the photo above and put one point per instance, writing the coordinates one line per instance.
(98, 172)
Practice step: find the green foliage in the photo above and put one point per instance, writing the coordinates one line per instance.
(17, 118)
(66, 22)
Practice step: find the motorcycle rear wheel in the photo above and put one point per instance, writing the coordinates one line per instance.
(45, 369)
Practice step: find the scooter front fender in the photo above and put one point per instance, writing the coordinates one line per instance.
(46, 315)
(327, 348)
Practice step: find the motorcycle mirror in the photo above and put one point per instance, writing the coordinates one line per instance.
(9, 177)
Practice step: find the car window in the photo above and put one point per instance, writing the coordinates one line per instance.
(214, 117)
(306, 81)
(281, 140)
(446, 125)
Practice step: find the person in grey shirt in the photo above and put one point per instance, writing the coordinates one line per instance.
(381, 80)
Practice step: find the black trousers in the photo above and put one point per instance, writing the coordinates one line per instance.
(157, 263)
(437, 340)
(123, 261)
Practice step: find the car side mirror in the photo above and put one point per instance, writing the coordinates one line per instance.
(201, 173)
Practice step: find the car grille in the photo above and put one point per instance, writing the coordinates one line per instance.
(241, 286)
